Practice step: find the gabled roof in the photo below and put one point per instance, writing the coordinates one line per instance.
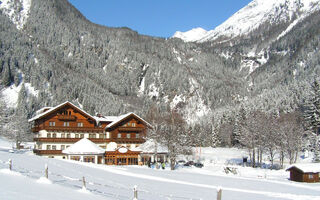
(84, 146)
(52, 109)
(306, 168)
(126, 116)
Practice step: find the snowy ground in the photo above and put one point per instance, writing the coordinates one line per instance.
(116, 182)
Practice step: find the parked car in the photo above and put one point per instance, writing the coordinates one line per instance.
(189, 163)
(199, 165)
(181, 161)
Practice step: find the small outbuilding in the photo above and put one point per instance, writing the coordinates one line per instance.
(85, 151)
(305, 172)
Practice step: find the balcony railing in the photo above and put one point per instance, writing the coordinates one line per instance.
(136, 129)
(66, 128)
(67, 117)
(47, 152)
(95, 140)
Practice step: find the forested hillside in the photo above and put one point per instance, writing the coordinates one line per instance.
(58, 55)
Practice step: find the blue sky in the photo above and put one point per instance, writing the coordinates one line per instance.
(160, 18)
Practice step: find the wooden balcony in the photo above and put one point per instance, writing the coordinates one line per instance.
(94, 140)
(129, 140)
(67, 117)
(68, 129)
(69, 140)
(47, 152)
(131, 129)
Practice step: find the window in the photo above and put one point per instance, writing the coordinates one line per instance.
(310, 176)
(68, 135)
(77, 135)
(67, 146)
(63, 147)
(101, 136)
(80, 124)
(63, 135)
(65, 123)
(52, 123)
(137, 135)
(108, 135)
(48, 147)
(81, 135)
(40, 146)
(54, 147)
(48, 135)
(54, 135)
(133, 124)
(119, 135)
(128, 135)
(92, 135)
(129, 124)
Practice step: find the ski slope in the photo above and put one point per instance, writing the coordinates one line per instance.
(116, 182)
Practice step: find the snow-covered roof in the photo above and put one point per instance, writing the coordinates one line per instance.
(105, 118)
(38, 112)
(84, 146)
(122, 117)
(150, 145)
(55, 108)
(307, 168)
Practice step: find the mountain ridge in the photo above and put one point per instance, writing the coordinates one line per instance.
(116, 70)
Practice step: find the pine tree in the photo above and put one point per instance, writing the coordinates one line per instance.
(312, 117)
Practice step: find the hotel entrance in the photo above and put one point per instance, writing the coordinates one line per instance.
(118, 158)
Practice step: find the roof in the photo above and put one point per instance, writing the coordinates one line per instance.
(57, 107)
(123, 117)
(84, 146)
(306, 168)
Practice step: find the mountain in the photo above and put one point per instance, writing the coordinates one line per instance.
(252, 16)
(50, 53)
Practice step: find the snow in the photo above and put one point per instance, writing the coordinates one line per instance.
(252, 16)
(17, 11)
(153, 91)
(10, 95)
(177, 99)
(84, 146)
(190, 36)
(117, 182)
(141, 87)
(44, 180)
(31, 90)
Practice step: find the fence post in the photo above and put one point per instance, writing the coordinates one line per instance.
(10, 164)
(46, 171)
(84, 183)
(135, 193)
(219, 194)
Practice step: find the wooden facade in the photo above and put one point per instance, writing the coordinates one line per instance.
(297, 174)
(59, 127)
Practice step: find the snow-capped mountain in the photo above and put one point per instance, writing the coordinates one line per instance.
(191, 35)
(254, 15)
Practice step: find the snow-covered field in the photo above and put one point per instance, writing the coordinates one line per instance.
(26, 180)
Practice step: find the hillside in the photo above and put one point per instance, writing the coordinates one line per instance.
(48, 60)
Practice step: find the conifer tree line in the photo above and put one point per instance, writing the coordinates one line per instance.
(277, 135)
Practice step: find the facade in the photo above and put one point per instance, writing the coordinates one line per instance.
(57, 128)
(305, 172)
